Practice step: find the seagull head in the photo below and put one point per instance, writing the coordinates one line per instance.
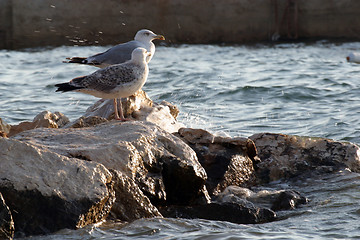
(139, 55)
(145, 35)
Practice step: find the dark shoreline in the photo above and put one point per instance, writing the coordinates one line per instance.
(67, 22)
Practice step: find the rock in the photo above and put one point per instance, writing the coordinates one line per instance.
(3, 134)
(163, 166)
(227, 161)
(4, 128)
(44, 119)
(138, 107)
(236, 194)
(104, 107)
(87, 122)
(286, 156)
(47, 192)
(288, 199)
(161, 115)
(174, 111)
(276, 200)
(231, 212)
(6, 221)
(130, 203)
(47, 117)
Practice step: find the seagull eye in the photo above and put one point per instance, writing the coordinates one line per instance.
(147, 34)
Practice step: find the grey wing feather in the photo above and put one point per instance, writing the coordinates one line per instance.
(107, 79)
(117, 54)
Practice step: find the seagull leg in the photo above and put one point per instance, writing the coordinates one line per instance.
(117, 115)
(116, 110)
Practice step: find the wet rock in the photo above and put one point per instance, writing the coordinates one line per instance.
(231, 212)
(275, 199)
(286, 156)
(227, 161)
(6, 221)
(47, 192)
(236, 194)
(130, 203)
(138, 107)
(163, 166)
(288, 199)
(44, 119)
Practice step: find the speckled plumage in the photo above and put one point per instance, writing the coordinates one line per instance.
(116, 81)
(119, 81)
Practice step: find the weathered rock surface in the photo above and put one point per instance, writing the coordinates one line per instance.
(286, 156)
(44, 119)
(231, 212)
(138, 107)
(47, 192)
(130, 203)
(227, 161)
(164, 167)
(275, 200)
(150, 168)
(7, 228)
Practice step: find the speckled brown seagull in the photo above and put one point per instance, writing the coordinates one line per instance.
(116, 81)
(121, 52)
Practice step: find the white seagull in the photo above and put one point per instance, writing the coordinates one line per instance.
(353, 57)
(116, 81)
(121, 52)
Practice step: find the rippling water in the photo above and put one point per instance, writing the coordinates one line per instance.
(297, 88)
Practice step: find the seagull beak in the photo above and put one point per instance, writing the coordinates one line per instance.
(160, 37)
(348, 58)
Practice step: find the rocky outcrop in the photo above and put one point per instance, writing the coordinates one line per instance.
(94, 167)
(163, 166)
(286, 156)
(7, 228)
(138, 107)
(46, 191)
(227, 161)
(44, 119)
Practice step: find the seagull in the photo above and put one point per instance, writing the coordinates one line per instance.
(116, 81)
(121, 52)
(353, 57)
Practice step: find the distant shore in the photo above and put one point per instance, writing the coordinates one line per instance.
(52, 23)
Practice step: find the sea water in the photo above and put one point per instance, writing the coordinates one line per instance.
(305, 89)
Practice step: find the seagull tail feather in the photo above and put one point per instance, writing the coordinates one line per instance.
(65, 87)
(80, 60)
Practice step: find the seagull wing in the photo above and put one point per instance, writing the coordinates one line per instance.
(115, 55)
(106, 79)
